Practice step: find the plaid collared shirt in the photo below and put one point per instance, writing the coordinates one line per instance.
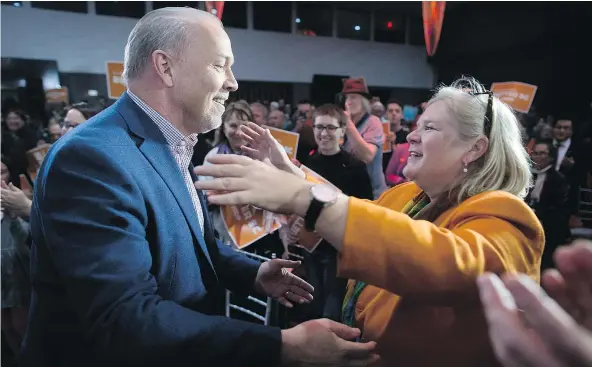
(180, 146)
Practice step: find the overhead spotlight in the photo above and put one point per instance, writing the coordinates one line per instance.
(357, 28)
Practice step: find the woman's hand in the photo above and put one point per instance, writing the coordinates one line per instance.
(263, 147)
(14, 200)
(239, 180)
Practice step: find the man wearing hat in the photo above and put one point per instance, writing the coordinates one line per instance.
(364, 135)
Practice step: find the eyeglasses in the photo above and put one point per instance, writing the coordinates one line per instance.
(68, 125)
(329, 128)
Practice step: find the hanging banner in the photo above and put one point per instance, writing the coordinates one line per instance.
(433, 18)
(517, 95)
(115, 84)
(287, 139)
(215, 7)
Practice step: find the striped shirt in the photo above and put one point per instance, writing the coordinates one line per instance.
(180, 146)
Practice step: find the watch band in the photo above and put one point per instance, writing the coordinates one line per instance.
(312, 214)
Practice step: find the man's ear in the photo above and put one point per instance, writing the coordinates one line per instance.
(163, 66)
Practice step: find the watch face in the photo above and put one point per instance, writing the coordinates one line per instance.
(324, 193)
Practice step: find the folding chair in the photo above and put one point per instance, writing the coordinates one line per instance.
(585, 214)
(253, 306)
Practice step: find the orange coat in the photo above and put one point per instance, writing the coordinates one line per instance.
(423, 307)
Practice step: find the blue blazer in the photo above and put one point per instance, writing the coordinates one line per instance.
(121, 272)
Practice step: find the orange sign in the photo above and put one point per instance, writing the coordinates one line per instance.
(115, 84)
(246, 224)
(387, 145)
(517, 95)
(287, 139)
(58, 95)
(35, 157)
(308, 240)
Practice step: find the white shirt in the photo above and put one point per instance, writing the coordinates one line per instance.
(562, 149)
(180, 146)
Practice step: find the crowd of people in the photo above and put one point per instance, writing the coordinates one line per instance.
(434, 251)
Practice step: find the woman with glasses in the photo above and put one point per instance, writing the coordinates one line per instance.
(415, 253)
(349, 175)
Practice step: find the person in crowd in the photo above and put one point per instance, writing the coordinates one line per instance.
(230, 142)
(260, 113)
(548, 198)
(414, 254)
(570, 162)
(394, 171)
(76, 115)
(350, 176)
(16, 289)
(277, 119)
(364, 134)
(126, 268)
(18, 137)
(377, 109)
(531, 328)
(398, 135)
(54, 132)
(543, 133)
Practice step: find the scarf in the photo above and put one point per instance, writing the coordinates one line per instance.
(224, 148)
(412, 209)
(539, 176)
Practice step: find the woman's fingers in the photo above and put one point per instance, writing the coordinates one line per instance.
(256, 128)
(231, 198)
(230, 159)
(221, 170)
(253, 153)
(225, 184)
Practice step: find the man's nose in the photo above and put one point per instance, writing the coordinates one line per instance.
(231, 84)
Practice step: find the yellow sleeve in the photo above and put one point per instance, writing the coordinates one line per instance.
(416, 258)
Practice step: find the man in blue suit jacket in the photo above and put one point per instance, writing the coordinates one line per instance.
(126, 270)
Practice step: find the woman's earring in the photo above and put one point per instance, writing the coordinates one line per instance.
(466, 169)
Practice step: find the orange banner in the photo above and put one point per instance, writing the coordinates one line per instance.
(115, 84)
(517, 95)
(246, 224)
(387, 146)
(56, 96)
(433, 19)
(287, 139)
(308, 240)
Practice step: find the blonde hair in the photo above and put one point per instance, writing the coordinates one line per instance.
(505, 165)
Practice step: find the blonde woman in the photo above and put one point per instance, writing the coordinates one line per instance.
(416, 252)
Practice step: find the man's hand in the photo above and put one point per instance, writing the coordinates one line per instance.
(324, 343)
(275, 280)
(571, 284)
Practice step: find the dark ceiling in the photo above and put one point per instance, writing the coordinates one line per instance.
(402, 7)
